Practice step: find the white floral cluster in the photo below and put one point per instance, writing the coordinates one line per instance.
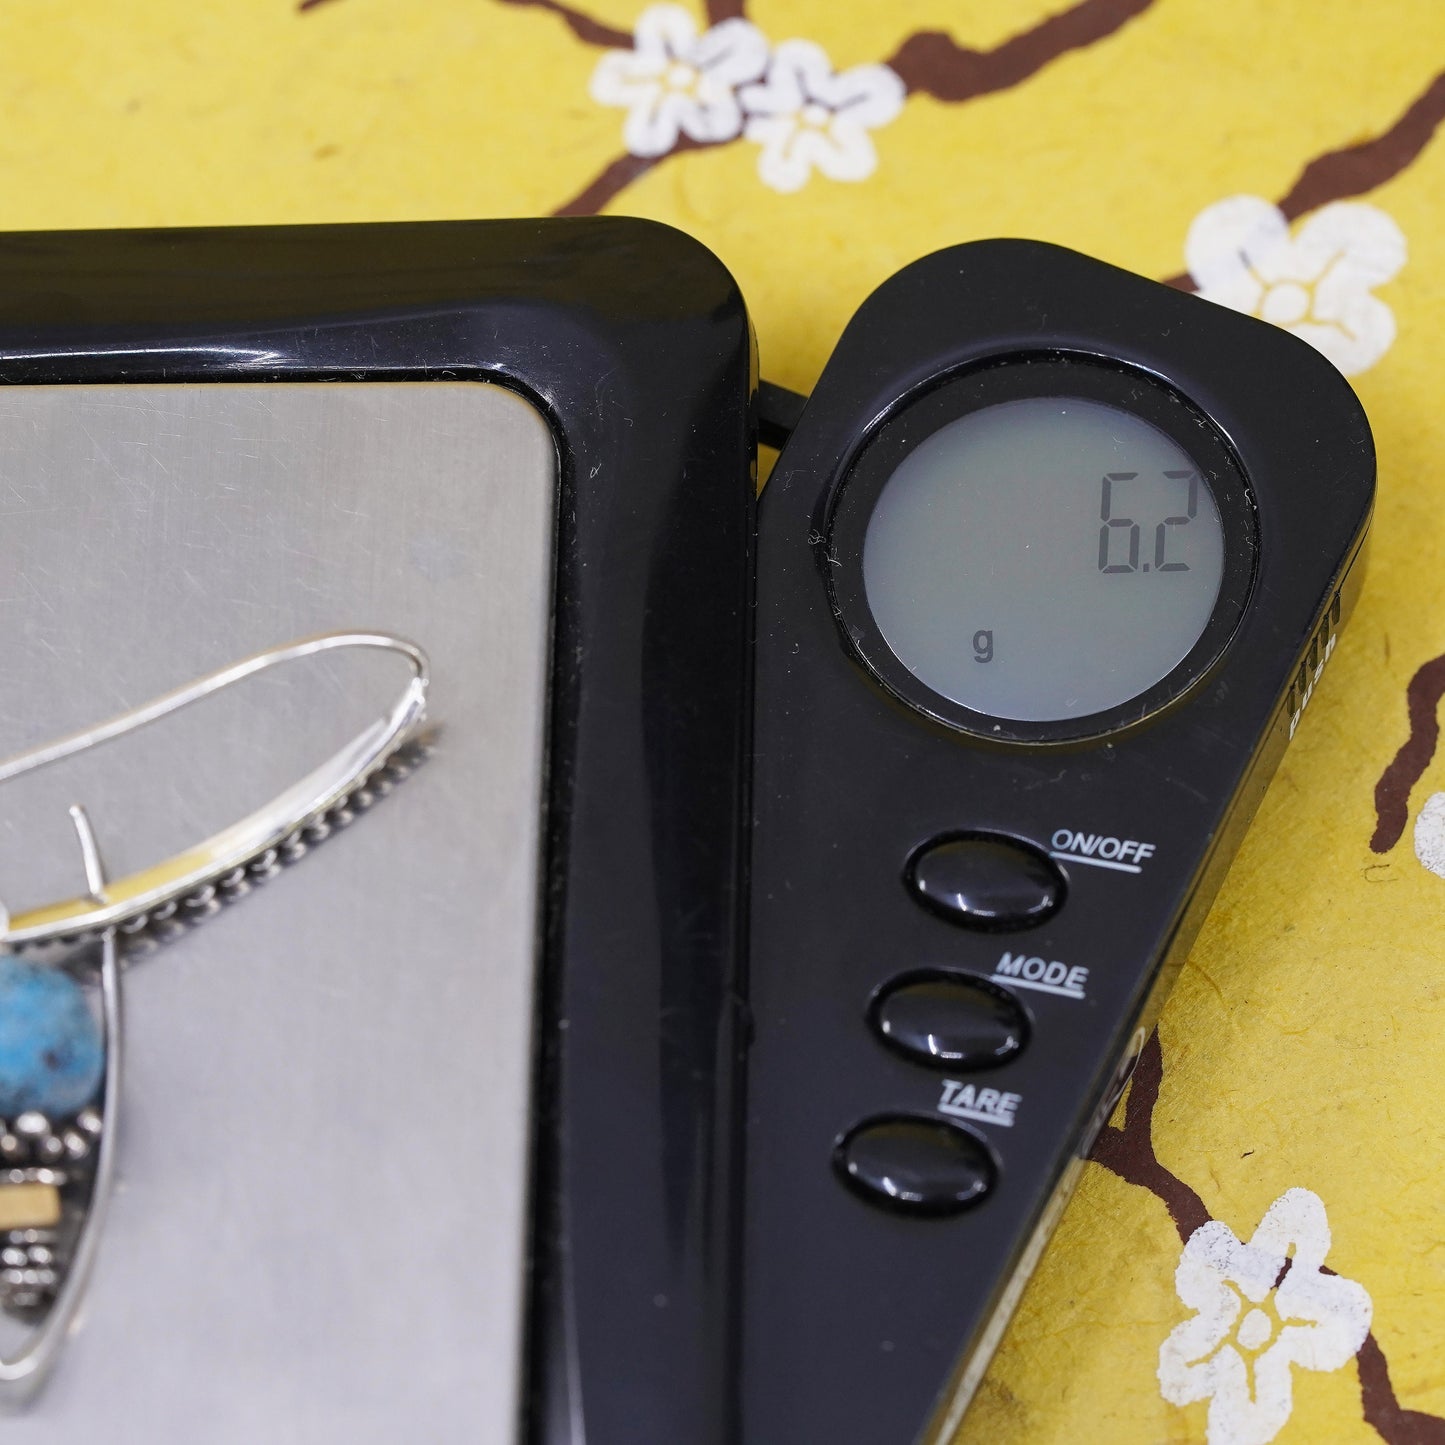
(729, 81)
(1261, 1308)
(1317, 281)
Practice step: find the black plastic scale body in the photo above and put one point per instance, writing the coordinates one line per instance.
(868, 1316)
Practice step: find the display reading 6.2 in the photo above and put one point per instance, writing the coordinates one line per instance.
(1123, 555)
(1045, 558)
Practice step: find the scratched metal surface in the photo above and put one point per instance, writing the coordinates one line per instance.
(317, 1233)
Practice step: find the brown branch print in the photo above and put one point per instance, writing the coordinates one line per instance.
(1356, 170)
(609, 182)
(586, 29)
(928, 63)
(1129, 1153)
(619, 174)
(1390, 1420)
(1392, 792)
(933, 63)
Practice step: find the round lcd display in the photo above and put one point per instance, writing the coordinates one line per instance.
(1044, 549)
(1044, 559)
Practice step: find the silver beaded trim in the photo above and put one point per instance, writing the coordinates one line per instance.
(38, 1150)
(31, 1138)
(148, 931)
(29, 1269)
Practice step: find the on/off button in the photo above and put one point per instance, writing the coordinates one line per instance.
(986, 880)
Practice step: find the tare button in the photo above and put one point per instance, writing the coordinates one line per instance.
(917, 1165)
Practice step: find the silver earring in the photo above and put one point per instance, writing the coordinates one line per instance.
(60, 1066)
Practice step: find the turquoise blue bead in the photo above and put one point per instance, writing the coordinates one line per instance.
(52, 1055)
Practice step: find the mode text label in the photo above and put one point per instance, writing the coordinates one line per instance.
(1021, 970)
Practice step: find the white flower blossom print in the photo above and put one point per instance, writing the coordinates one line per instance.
(675, 82)
(1430, 834)
(1262, 1307)
(1316, 282)
(807, 117)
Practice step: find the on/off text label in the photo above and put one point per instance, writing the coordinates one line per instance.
(1100, 850)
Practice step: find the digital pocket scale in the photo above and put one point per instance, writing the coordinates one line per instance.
(1046, 574)
(682, 1017)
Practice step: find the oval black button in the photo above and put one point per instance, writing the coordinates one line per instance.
(984, 880)
(950, 1020)
(922, 1166)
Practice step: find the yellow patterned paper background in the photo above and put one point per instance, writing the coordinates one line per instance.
(1282, 158)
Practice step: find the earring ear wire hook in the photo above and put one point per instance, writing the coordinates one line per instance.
(133, 899)
(89, 852)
